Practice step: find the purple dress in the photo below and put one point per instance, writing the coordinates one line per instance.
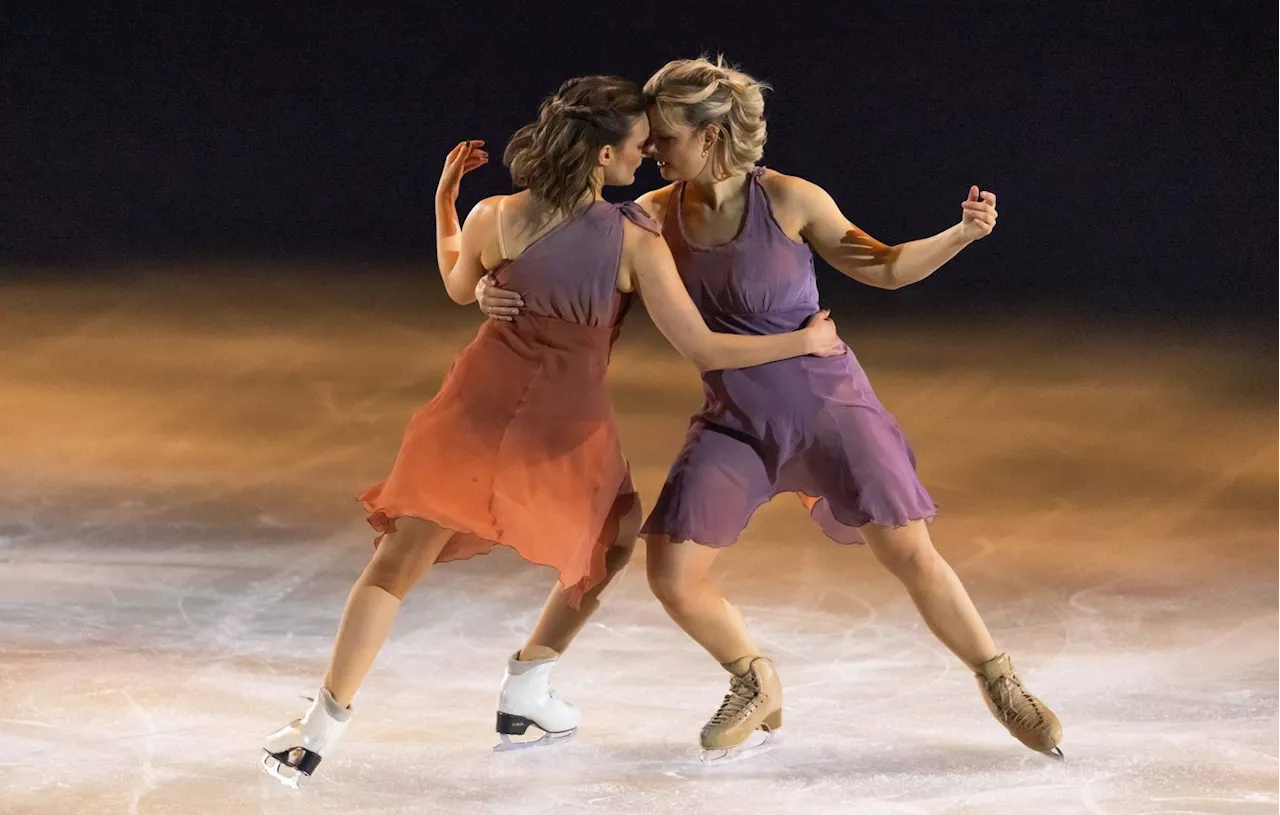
(808, 425)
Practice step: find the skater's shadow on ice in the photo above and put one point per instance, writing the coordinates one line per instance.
(915, 760)
(790, 758)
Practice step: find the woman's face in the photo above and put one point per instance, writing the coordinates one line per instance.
(626, 158)
(676, 146)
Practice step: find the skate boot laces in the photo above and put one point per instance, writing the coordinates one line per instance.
(739, 702)
(1015, 704)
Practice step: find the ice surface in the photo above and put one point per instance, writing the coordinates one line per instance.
(177, 537)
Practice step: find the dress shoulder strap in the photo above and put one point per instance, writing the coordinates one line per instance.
(637, 215)
(502, 244)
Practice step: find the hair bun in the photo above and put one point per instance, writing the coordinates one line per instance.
(582, 113)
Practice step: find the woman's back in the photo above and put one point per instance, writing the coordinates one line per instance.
(567, 270)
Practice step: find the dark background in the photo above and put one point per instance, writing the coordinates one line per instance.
(1132, 144)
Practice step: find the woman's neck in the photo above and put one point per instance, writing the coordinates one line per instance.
(715, 194)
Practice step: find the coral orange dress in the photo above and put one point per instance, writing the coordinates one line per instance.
(520, 445)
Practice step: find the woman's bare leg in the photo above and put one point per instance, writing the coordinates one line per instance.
(401, 560)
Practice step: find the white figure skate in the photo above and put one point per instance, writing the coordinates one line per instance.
(295, 750)
(527, 699)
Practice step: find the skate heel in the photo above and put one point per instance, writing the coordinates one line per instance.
(773, 721)
(308, 763)
(509, 725)
(289, 767)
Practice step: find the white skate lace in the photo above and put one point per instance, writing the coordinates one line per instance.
(551, 694)
(1014, 703)
(738, 702)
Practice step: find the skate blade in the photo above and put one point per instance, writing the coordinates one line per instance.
(758, 743)
(286, 775)
(1055, 754)
(508, 745)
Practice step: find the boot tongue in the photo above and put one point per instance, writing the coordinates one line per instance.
(739, 667)
(519, 664)
(536, 654)
(995, 668)
(336, 711)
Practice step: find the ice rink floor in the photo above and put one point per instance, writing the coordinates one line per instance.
(178, 457)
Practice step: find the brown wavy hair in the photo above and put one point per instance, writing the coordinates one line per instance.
(555, 156)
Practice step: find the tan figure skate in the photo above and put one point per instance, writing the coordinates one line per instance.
(748, 720)
(1026, 718)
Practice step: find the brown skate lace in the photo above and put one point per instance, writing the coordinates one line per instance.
(741, 697)
(1015, 704)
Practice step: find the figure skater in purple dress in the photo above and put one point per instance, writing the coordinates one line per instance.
(743, 238)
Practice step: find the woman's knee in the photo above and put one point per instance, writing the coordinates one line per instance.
(617, 557)
(674, 580)
(405, 555)
(630, 519)
(628, 515)
(906, 551)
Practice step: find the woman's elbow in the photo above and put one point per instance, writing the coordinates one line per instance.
(701, 359)
(877, 277)
(462, 298)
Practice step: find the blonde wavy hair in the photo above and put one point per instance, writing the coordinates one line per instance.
(714, 93)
